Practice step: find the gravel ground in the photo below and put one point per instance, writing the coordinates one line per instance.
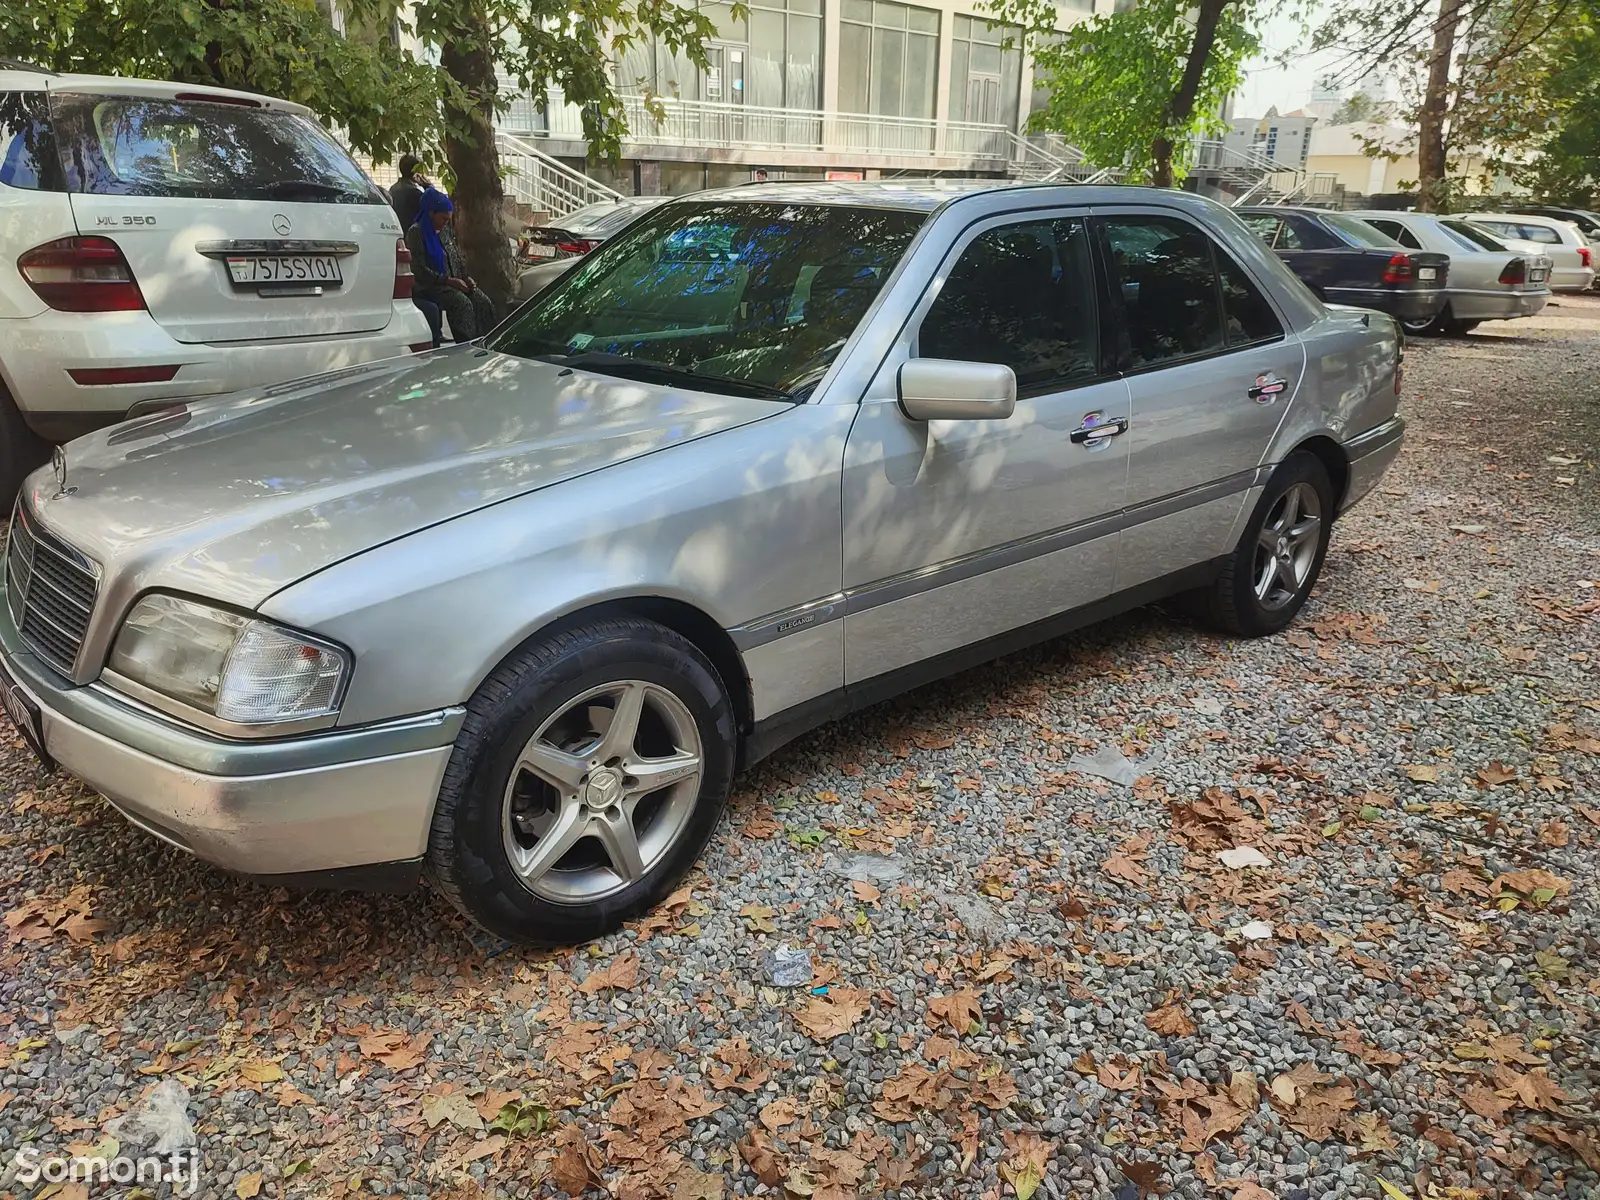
(1038, 980)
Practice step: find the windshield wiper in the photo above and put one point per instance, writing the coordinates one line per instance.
(280, 188)
(648, 370)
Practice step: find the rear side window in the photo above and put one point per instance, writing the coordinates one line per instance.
(1022, 295)
(1249, 317)
(1396, 231)
(1355, 232)
(1275, 233)
(27, 146)
(1470, 237)
(1162, 269)
(1540, 233)
(152, 146)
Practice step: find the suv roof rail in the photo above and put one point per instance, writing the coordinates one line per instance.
(17, 64)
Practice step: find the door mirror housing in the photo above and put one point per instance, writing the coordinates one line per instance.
(945, 389)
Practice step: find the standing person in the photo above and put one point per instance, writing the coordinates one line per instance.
(440, 272)
(406, 193)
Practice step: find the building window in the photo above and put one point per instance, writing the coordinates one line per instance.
(1039, 100)
(889, 58)
(785, 54)
(985, 72)
(651, 66)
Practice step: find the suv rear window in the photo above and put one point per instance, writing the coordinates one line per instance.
(154, 146)
(27, 147)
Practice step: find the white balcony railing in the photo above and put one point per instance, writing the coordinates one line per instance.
(714, 124)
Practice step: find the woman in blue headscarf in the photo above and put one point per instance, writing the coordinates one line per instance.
(441, 275)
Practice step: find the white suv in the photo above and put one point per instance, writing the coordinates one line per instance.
(161, 241)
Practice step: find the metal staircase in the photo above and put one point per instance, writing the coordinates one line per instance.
(544, 184)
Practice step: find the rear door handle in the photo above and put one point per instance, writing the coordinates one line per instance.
(1267, 388)
(1098, 429)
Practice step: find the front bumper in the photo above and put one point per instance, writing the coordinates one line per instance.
(1370, 455)
(330, 808)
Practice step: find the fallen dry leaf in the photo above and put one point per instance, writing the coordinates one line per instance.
(619, 975)
(827, 1017)
(782, 1111)
(960, 1010)
(1495, 774)
(1170, 1021)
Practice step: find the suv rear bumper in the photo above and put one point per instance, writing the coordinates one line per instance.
(40, 350)
(347, 807)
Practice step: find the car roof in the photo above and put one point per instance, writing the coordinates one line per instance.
(1532, 218)
(15, 77)
(929, 195)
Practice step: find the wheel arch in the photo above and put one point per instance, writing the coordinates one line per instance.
(1333, 458)
(680, 616)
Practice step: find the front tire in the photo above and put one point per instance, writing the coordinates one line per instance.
(589, 775)
(1265, 582)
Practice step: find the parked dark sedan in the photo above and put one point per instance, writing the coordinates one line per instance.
(1346, 261)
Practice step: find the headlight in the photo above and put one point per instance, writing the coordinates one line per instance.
(237, 669)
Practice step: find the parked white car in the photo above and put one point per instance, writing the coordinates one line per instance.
(1572, 259)
(162, 241)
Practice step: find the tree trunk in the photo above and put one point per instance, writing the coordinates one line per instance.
(1181, 107)
(1432, 167)
(474, 159)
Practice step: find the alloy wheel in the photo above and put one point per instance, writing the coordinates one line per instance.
(1286, 548)
(602, 791)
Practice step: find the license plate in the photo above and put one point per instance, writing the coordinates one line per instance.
(1427, 273)
(287, 268)
(1539, 276)
(24, 714)
(540, 250)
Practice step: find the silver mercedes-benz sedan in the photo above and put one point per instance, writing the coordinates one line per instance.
(513, 613)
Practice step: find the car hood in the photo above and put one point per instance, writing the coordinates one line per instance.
(237, 497)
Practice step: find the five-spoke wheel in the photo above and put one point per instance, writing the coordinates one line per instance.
(588, 776)
(1286, 547)
(602, 791)
(1265, 581)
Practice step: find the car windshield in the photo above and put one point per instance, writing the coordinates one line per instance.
(1470, 236)
(1357, 233)
(748, 298)
(154, 146)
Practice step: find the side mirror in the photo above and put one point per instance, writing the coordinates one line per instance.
(944, 389)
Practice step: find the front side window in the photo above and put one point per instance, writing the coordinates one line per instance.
(1162, 269)
(749, 299)
(151, 146)
(1022, 295)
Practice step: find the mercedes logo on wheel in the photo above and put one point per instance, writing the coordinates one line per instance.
(281, 224)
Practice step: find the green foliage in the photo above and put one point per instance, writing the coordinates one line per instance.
(1113, 79)
(1546, 135)
(381, 98)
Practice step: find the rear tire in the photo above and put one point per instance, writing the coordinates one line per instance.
(1265, 581)
(1433, 326)
(554, 824)
(21, 449)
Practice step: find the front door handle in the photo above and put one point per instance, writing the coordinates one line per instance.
(1097, 429)
(1267, 388)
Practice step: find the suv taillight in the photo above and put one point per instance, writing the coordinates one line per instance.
(1398, 270)
(1516, 272)
(403, 279)
(82, 274)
